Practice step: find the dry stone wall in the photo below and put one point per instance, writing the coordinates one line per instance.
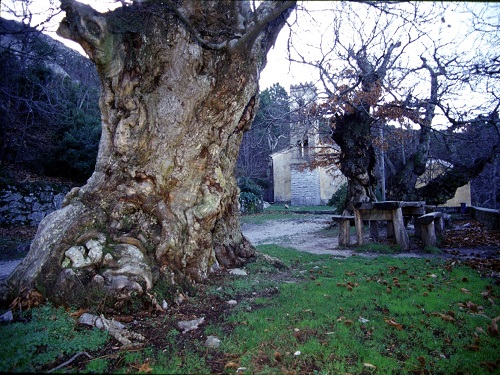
(28, 204)
(306, 190)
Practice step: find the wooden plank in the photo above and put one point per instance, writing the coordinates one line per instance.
(345, 232)
(399, 230)
(363, 205)
(359, 226)
(416, 204)
(430, 217)
(428, 234)
(387, 205)
(375, 214)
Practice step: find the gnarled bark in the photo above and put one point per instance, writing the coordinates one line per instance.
(179, 89)
(357, 159)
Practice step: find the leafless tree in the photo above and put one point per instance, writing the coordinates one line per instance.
(409, 65)
(270, 132)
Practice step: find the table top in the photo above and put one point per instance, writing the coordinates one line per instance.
(388, 205)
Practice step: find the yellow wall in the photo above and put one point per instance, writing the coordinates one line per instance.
(330, 183)
(461, 196)
(281, 176)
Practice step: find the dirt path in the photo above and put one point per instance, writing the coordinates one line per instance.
(307, 233)
(467, 241)
(310, 233)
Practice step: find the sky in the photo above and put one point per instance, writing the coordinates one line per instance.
(305, 32)
(277, 70)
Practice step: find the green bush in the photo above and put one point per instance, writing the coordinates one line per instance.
(339, 199)
(76, 148)
(250, 196)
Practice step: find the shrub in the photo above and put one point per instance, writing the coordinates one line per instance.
(250, 196)
(339, 199)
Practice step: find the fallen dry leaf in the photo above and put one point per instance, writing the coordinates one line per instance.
(463, 290)
(480, 330)
(145, 367)
(490, 365)
(472, 306)
(493, 328)
(485, 294)
(421, 360)
(445, 317)
(369, 365)
(231, 365)
(391, 322)
(26, 299)
(78, 313)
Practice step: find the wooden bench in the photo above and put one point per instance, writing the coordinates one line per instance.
(391, 211)
(344, 223)
(430, 226)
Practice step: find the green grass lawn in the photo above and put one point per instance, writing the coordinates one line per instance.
(322, 315)
(281, 208)
(355, 315)
(279, 212)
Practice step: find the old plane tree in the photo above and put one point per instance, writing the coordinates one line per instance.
(179, 88)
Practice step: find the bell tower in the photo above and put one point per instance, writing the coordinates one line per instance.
(305, 182)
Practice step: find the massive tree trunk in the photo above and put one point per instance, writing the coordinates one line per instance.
(351, 129)
(180, 84)
(357, 159)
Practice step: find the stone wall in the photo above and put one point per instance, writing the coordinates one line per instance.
(305, 186)
(28, 204)
(490, 218)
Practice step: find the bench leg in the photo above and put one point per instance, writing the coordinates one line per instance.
(344, 233)
(400, 230)
(428, 235)
(359, 227)
(439, 226)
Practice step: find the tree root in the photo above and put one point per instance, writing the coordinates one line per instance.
(115, 329)
(69, 361)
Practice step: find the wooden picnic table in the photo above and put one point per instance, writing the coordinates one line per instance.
(397, 214)
(390, 211)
